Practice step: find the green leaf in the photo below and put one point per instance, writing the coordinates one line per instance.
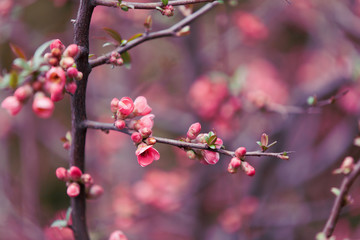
(60, 223)
(68, 212)
(135, 37)
(21, 63)
(108, 44)
(212, 147)
(124, 8)
(259, 143)
(114, 34)
(127, 59)
(91, 55)
(271, 144)
(38, 58)
(13, 80)
(212, 140)
(17, 51)
(165, 2)
(123, 42)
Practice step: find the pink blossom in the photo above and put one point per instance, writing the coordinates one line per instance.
(194, 130)
(235, 162)
(136, 137)
(12, 105)
(71, 51)
(210, 157)
(114, 105)
(247, 168)
(73, 189)
(42, 105)
(62, 174)
(146, 154)
(117, 235)
(75, 173)
(125, 107)
(87, 179)
(95, 191)
(72, 72)
(56, 92)
(120, 124)
(145, 122)
(23, 92)
(240, 152)
(71, 87)
(55, 79)
(251, 26)
(67, 62)
(57, 44)
(141, 106)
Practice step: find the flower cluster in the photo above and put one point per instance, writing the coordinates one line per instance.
(125, 113)
(204, 156)
(116, 59)
(53, 74)
(74, 177)
(168, 10)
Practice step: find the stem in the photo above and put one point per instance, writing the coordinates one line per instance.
(78, 114)
(169, 32)
(340, 200)
(135, 5)
(109, 126)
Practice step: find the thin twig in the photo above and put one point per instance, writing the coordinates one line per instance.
(136, 5)
(169, 32)
(340, 200)
(109, 126)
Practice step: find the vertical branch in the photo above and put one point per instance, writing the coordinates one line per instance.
(78, 114)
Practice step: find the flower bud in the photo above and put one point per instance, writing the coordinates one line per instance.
(240, 152)
(150, 141)
(95, 191)
(145, 132)
(235, 162)
(57, 44)
(117, 235)
(73, 189)
(194, 130)
(62, 174)
(136, 137)
(71, 51)
(23, 92)
(71, 87)
(12, 105)
(191, 154)
(56, 52)
(114, 105)
(72, 72)
(67, 62)
(120, 124)
(168, 10)
(247, 168)
(42, 106)
(79, 76)
(66, 145)
(75, 173)
(87, 180)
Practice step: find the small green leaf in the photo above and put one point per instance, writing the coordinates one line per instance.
(68, 212)
(107, 44)
(91, 55)
(17, 51)
(212, 147)
(124, 8)
(38, 59)
(60, 223)
(123, 42)
(114, 34)
(21, 63)
(44, 68)
(212, 140)
(135, 37)
(271, 144)
(312, 101)
(13, 80)
(259, 143)
(335, 191)
(127, 59)
(165, 2)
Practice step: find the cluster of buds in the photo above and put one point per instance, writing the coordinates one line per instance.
(60, 76)
(74, 177)
(213, 142)
(126, 113)
(168, 10)
(238, 162)
(116, 59)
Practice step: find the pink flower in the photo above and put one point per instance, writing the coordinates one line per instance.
(146, 154)
(72, 72)
(73, 189)
(95, 191)
(23, 92)
(145, 122)
(251, 26)
(120, 124)
(62, 174)
(67, 62)
(114, 105)
(87, 180)
(71, 51)
(71, 87)
(235, 162)
(136, 137)
(56, 92)
(247, 168)
(75, 173)
(117, 235)
(12, 105)
(240, 152)
(210, 157)
(141, 106)
(57, 44)
(42, 105)
(55, 80)
(125, 107)
(194, 130)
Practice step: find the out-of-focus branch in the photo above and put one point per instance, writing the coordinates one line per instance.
(136, 5)
(109, 126)
(170, 32)
(340, 200)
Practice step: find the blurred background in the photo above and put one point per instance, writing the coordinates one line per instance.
(248, 67)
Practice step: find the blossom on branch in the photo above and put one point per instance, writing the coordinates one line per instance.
(146, 154)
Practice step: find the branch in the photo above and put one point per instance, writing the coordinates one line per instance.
(340, 200)
(181, 144)
(170, 32)
(135, 5)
